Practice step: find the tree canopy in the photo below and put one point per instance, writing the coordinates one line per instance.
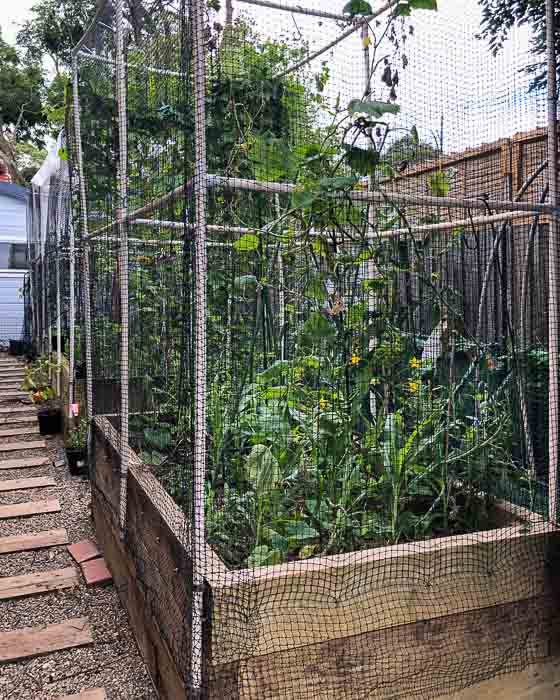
(22, 118)
(499, 17)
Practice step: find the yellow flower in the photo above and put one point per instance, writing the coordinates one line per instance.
(413, 387)
(356, 359)
(323, 403)
(415, 363)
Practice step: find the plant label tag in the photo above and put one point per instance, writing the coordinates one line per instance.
(60, 463)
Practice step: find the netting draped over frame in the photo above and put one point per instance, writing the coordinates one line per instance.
(316, 273)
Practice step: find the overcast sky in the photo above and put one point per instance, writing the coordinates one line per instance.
(12, 13)
(450, 71)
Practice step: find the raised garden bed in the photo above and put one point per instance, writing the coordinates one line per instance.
(451, 611)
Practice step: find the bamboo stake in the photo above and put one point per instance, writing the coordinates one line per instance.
(382, 196)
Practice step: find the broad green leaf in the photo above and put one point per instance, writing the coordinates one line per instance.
(362, 161)
(403, 9)
(303, 199)
(357, 7)
(318, 328)
(246, 282)
(439, 184)
(356, 314)
(160, 439)
(365, 255)
(337, 183)
(423, 4)
(319, 246)
(374, 108)
(247, 243)
(276, 372)
(307, 551)
(262, 469)
(415, 138)
(300, 531)
(263, 556)
(310, 361)
(276, 540)
(275, 393)
(315, 288)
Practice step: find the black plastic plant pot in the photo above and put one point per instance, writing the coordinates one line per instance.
(81, 370)
(50, 423)
(16, 347)
(63, 343)
(77, 462)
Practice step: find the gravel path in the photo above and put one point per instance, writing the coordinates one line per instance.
(113, 660)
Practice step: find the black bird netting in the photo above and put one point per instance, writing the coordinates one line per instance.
(316, 266)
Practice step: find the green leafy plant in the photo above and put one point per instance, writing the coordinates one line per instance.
(77, 436)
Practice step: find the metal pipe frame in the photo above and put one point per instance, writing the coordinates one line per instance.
(197, 23)
(84, 237)
(121, 213)
(297, 9)
(135, 66)
(553, 264)
(386, 197)
(58, 223)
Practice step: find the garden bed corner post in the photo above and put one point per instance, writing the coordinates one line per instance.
(553, 264)
(200, 264)
(121, 217)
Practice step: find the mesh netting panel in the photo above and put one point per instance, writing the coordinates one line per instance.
(315, 281)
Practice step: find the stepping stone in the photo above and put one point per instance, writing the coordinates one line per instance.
(11, 387)
(91, 694)
(14, 432)
(36, 641)
(27, 418)
(83, 551)
(39, 540)
(36, 482)
(17, 446)
(22, 510)
(24, 463)
(10, 395)
(39, 582)
(96, 572)
(19, 409)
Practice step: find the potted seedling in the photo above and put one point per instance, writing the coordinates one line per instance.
(37, 382)
(76, 449)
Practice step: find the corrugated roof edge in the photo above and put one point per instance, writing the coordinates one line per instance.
(15, 191)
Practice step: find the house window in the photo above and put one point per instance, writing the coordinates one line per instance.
(13, 256)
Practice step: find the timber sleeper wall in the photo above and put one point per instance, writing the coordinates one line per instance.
(410, 620)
